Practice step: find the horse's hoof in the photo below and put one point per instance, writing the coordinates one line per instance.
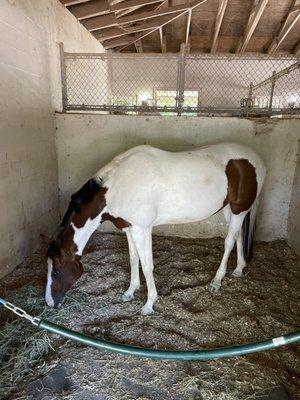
(238, 274)
(146, 310)
(214, 287)
(127, 297)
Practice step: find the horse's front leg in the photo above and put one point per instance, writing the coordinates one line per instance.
(142, 238)
(134, 266)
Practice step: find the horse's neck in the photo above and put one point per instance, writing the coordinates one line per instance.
(82, 234)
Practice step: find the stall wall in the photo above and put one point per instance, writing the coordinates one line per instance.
(29, 94)
(87, 142)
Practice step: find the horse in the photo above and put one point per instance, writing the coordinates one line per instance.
(145, 187)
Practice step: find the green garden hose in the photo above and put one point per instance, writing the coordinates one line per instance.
(179, 355)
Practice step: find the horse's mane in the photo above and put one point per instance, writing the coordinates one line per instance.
(83, 196)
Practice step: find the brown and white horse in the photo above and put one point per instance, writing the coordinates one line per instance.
(145, 187)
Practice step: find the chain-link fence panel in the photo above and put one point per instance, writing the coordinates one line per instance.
(181, 84)
(86, 81)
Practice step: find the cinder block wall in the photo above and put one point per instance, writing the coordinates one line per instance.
(29, 94)
(87, 142)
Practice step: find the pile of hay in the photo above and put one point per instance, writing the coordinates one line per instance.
(260, 306)
(23, 347)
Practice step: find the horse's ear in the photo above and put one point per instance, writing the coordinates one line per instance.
(46, 240)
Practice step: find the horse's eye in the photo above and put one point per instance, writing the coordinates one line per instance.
(55, 273)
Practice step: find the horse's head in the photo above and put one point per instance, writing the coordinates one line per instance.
(64, 268)
(82, 217)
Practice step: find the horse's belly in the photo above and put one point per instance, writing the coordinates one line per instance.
(193, 205)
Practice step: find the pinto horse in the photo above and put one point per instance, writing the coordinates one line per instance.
(145, 187)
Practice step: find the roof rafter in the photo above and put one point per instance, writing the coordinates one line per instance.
(108, 20)
(90, 9)
(72, 2)
(192, 5)
(290, 20)
(120, 41)
(95, 8)
(254, 17)
(163, 40)
(219, 20)
(114, 32)
(132, 4)
(188, 27)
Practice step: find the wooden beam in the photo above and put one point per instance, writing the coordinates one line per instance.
(188, 26)
(192, 5)
(124, 5)
(72, 2)
(138, 46)
(163, 41)
(219, 20)
(100, 22)
(90, 9)
(99, 7)
(255, 14)
(108, 20)
(130, 10)
(110, 44)
(156, 13)
(289, 22)
(114, 32)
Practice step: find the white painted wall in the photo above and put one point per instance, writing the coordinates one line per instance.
(87, 142)
(29, 95)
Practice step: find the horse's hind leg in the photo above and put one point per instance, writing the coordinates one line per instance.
(134, 266)
(241, 263)
(143, 241)
(235, 225)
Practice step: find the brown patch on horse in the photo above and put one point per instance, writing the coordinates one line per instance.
(242, 185)
(119, 223)
(86, 203)
(91, 209)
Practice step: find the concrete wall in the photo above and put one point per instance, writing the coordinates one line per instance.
(87, 142)
(294, 215)
(29, 95)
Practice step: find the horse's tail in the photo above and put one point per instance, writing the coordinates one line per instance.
(248, 231)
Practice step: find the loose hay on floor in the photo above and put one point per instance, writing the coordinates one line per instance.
(262, 305)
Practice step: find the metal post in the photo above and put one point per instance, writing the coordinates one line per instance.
(272, 90)
(63, 77)
(110, 79)
(250, 102)
(180, 79)
(198, 104)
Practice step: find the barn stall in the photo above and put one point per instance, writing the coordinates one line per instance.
(83, 81)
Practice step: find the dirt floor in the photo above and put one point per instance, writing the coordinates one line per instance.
(264, 304)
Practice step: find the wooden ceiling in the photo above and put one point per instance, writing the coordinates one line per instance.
(210, 26)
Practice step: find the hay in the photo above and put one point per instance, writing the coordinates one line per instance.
(23, 348)
(187, 316)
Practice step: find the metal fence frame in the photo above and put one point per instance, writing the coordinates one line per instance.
(246, 109)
